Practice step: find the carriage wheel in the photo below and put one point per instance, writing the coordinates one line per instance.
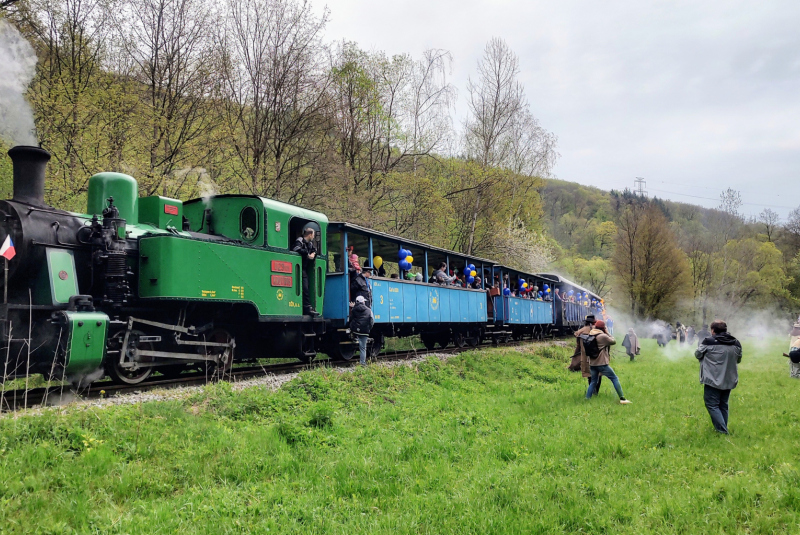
(428, 340)
(460, 339)
(474, 337)
(341, 348)
(375, 346)
(443, 339)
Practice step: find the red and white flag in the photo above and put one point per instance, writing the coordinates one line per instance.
(7, 250)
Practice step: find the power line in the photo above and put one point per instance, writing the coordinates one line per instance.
(717, 200)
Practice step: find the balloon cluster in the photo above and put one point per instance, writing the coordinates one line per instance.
(405, 259)
(546, 288)
(523, 286)
(470, 273)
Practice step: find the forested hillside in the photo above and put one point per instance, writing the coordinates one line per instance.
(195, 98)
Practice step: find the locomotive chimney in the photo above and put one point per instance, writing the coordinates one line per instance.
(29, 167)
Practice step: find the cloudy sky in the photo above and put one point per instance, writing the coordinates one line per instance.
(693, 96)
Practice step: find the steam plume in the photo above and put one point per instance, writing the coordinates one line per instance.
(17, 68)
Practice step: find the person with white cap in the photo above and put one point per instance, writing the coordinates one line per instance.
(361, 322)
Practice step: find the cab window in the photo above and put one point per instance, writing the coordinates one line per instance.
(248, 223)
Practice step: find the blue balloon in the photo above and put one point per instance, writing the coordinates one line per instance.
(470, 279)
(540, 293)
(571, 293)
(506, 291)
(545, 287)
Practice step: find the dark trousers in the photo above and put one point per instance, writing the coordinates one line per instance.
(306, 294)
(717, 405)
(597, 386)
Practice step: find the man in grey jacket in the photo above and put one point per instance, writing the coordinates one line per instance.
(719, 355)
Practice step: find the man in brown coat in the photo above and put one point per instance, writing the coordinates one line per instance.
(579, 357)
(599, 362)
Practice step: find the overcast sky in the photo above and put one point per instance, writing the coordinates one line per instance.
(693, 96)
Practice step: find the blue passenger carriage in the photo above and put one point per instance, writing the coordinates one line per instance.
(499, 304)
(572, 304)
(521, 305)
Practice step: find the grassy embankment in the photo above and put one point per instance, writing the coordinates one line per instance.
(495, 442)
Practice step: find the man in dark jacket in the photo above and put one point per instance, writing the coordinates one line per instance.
(305, 246)
(361, 322)
(719, 356)
(703, 334)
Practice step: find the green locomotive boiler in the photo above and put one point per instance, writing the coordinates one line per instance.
(138, 285)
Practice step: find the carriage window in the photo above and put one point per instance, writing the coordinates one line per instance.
(248, 223)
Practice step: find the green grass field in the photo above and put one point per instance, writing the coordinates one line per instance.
(500, 441)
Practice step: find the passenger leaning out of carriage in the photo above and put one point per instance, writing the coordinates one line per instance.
(308, 251)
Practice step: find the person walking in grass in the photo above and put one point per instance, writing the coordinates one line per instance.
(794, 351)
(580, 353)
(719, 356)
(631, 344)
(597, 344)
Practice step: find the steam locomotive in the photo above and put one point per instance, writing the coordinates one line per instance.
(139, 285)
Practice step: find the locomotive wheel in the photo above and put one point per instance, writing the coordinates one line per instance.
(225, 354)
(375, 346)
(127, 375)
(428, 340)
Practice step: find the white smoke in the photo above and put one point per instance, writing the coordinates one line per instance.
(207, 188)
(17, 68)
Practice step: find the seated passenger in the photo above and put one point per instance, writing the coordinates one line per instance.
(394, 276)
(440, 274)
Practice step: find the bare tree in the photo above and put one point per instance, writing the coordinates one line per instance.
(72, 35)
(430, 101)
(729, 217)
(169, 46)
(792, 228)
(500, 135)
(771, 221)
(275, 93)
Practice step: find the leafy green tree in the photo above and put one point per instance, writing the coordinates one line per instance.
(649, 265)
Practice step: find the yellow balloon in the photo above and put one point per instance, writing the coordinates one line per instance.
(410, 259)
(377, 262)
(473, 273)
(525, 285)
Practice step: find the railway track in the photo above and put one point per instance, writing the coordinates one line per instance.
(15, 400)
